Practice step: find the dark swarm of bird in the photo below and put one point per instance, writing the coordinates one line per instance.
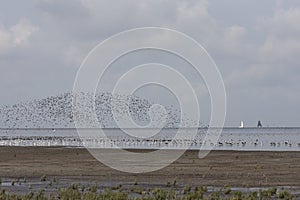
(58, 112)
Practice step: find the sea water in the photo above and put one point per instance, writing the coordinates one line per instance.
(247, 139)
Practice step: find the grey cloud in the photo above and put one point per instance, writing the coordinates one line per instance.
(256, 46)
(16, 35)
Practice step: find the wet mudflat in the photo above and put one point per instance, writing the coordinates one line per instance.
(26, 167)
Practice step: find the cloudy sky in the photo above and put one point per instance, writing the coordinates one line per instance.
(255, 44)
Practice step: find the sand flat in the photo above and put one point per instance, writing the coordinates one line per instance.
(219, 168)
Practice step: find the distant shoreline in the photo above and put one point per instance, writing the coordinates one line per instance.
(228, 127)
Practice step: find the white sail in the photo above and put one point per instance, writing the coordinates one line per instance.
(242, 124)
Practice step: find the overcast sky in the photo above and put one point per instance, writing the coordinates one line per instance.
(255, 44)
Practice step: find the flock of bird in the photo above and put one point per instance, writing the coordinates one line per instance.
(57, 112)
(128, 142)
(255, 143)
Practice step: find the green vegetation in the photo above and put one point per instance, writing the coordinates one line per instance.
(168, 184)
(117, 187)
(55, 180)
(227, 190)
(93, 188)
(268, 193)
(174, 182)
(44, 178)
(284, 195)
(137, 192)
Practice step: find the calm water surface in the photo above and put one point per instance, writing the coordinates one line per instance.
(257, 139)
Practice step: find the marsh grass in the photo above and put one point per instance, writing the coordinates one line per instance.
(168, 184)
(284, 195)
(55, 180)
(138, 190)
(227, 190)
(93, 188)
(43, 178)
(117, 187)
(174, 182)
(134, 192)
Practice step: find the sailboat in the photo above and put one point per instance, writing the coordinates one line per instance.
(241, 124)
(259, 125)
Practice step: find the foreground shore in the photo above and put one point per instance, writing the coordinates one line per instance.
(219, 168)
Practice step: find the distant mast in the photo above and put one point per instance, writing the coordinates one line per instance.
(241, 124)
(259, 125)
